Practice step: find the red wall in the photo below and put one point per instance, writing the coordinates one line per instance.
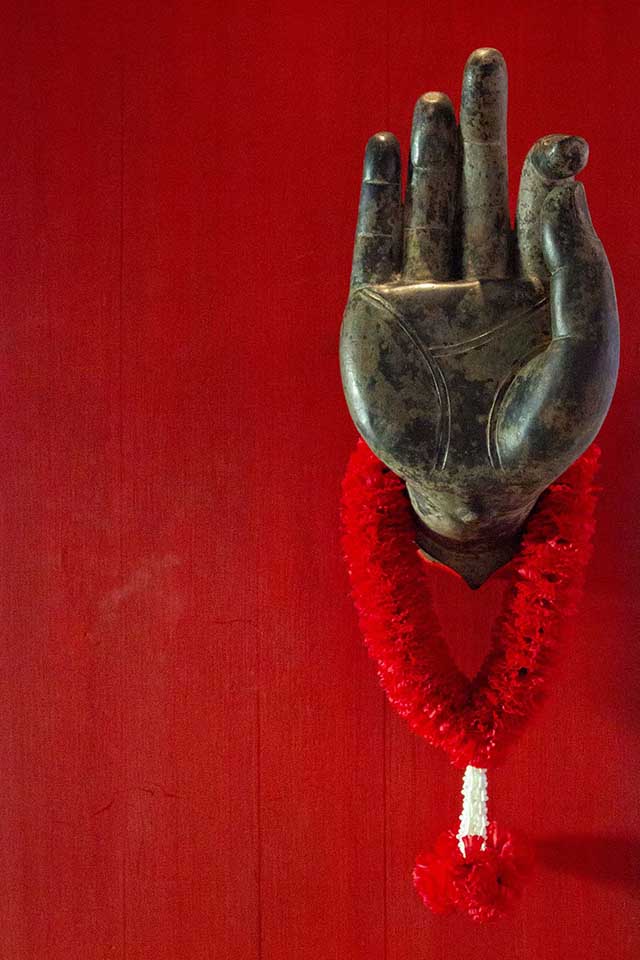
(196, 759)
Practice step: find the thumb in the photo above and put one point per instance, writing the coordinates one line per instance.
(567, 230)
(583, 302)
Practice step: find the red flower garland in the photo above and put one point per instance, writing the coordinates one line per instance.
(474, 721)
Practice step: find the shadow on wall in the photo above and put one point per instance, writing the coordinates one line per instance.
(609, 859)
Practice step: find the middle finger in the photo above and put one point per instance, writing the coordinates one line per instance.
(486, 227)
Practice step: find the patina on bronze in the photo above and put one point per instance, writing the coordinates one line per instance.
(478, 361)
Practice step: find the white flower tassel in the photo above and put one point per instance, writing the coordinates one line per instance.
(473, 819)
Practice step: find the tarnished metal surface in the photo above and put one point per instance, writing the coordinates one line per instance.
(478, 361)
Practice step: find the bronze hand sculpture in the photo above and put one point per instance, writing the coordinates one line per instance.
(478, 361)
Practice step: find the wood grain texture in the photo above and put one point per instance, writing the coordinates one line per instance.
(197, 761)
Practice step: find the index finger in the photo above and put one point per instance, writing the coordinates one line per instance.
(486, 227)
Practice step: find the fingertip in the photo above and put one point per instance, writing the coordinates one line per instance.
(433, 104)
(484, 96)
(582, 207)
(382, 159)
(560, 156)
(433, 130)
(384, 139)
(486, 59)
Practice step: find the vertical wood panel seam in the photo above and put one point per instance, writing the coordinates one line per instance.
(385, 726)
(258, 762)
(121, 615)
(385, 831)
(258, 801)
(387, 65)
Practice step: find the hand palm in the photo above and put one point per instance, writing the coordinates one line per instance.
(478, 391)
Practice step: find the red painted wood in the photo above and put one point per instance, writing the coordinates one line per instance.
(197, 761)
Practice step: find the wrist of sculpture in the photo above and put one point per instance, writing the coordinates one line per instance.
(477, 546)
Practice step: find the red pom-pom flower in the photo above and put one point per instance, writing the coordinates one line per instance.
(484, 883)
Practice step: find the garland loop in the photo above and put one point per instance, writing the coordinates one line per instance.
(473, 721)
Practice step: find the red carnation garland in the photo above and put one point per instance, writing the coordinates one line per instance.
(473, 721)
